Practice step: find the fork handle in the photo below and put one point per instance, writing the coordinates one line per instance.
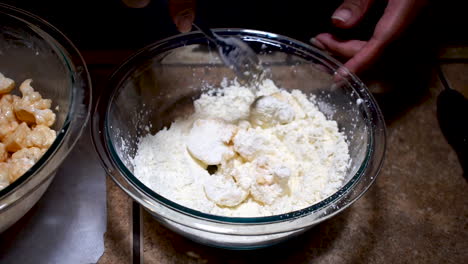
(206, 31)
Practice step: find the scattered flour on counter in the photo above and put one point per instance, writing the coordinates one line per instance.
(242, 154)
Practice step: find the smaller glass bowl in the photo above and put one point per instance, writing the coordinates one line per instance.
(160, 82)
(32, 48)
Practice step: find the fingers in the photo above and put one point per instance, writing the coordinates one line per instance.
(350, 13)
(361, 54)
(346, 48)
(397, 16)
(365, 57)
(182, 13)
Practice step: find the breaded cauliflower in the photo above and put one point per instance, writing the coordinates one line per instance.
(31, 108)
(25, 133)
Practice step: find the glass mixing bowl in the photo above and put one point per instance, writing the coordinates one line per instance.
(32, 48)
(161, 81)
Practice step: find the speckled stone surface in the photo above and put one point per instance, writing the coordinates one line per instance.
(118, 237)
(416, 212)
(457, 76)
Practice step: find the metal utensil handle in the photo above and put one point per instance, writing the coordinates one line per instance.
(206, 31)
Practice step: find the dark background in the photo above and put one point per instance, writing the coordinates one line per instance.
(107, 32)
(109, 24)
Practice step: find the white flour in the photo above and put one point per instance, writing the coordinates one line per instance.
(268, 153)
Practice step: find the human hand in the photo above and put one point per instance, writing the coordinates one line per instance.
(361, 54)
(182, 13)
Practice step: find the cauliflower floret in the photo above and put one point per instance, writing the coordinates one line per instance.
(271, 171)
(18, 139)
(250, 143)
(224, 191)
(31, 108)
(208, 141)
(240, 171)
(23, 137)
(8, 122)
(271, 181)
(264, 178)
(4, 172)
(6, 84)
(3, 153)
(32, 153)
(17, 117)
(41, 136)
(22, 160)
(266, 194)
(270, 110)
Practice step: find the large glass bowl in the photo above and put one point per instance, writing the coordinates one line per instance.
(32, 48)
(160, 83)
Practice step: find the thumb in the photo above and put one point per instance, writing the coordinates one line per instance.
(182, 13)
(350, 13)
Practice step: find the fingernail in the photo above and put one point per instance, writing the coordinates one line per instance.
(342, 14)
(317, 43)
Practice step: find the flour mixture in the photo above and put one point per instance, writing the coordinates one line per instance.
(246, 153)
